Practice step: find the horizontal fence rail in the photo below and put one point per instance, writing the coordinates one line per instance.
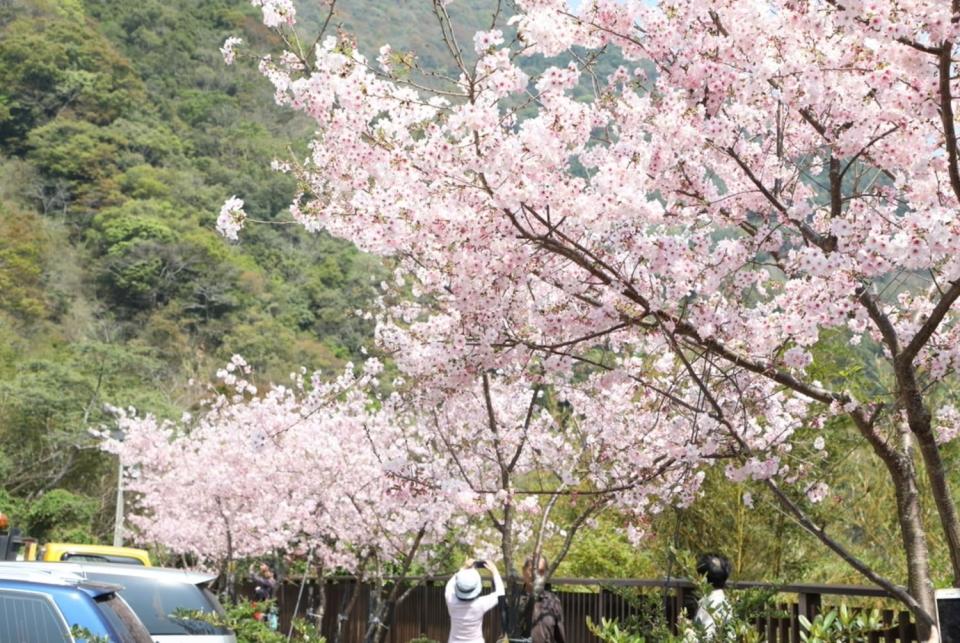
(423, 614)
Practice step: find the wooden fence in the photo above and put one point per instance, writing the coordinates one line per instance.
(424, 614)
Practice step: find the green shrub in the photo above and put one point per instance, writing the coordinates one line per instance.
(239, 617)
(840, 625)
(61, 515)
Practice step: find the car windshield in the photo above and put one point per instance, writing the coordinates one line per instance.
(161, 603)
(101, 558)
(122, 619)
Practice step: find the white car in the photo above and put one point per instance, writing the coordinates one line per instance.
(155, 594)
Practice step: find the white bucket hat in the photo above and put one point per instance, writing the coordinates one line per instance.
(467, 585)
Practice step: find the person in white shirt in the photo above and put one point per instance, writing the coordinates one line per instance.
(713, 610)
(466, 605)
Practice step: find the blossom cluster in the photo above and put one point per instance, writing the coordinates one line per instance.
(679, 239)
(332, 467)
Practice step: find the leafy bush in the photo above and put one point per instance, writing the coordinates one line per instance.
(649, 622)
(423, 638)
(59, 514)
(240, 617)
(840, 625)
(610, 631)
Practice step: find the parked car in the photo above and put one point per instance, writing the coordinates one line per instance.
(159, 597)
(15, 546)
(40, 607)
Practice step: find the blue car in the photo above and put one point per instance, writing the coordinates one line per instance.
(38, 607)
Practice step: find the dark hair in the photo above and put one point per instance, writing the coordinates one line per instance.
(716, 568)
(528, 563)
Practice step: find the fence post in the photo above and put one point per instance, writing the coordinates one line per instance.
(809, 605)
(905, 628)
(422, 609)
(889, 632)
(783, 623)
(598, 615)
(676, 600)
(771, 628)
(794, 623)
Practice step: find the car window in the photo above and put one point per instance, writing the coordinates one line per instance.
(27, 617)
(156, 601)
(212, 599)
(101, 558)
(122, 619)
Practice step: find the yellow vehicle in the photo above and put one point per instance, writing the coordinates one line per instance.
(91, 553)
(15, 546)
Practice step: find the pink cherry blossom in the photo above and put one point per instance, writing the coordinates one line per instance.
(231, 218)
(756, 183)
(276, 13)
(229, 49)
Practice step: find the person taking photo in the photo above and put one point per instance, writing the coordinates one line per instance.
(465, 603)
(539, 616)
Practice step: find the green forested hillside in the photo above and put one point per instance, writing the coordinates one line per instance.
(121, 134)
(409, 25)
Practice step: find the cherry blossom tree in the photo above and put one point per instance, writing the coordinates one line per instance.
(302, 469)
(530, 460)
(371, 485)
(754, 175)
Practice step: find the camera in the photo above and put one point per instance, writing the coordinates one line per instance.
(479, 564)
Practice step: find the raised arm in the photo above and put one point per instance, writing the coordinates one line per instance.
(489, 601)
(448, 591)
(498, 589)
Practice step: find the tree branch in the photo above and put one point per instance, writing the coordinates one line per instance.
(799, 515)
(929, 327)
(946, 116)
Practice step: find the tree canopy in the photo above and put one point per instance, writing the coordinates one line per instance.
(785, 175)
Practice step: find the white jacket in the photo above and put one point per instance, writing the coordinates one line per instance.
(466, 617)
(713, 610)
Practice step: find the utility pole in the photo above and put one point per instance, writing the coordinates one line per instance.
(118, 516)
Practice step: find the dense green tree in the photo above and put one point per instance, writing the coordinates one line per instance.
(60, 515)
(22, 250)
(55, 62)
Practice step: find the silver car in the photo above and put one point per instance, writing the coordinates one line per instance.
(156, 594)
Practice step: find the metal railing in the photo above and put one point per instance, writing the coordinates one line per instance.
(424, 614)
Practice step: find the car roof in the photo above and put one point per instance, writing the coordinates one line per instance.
(83, 569)
(23, 573)
(14, 578)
